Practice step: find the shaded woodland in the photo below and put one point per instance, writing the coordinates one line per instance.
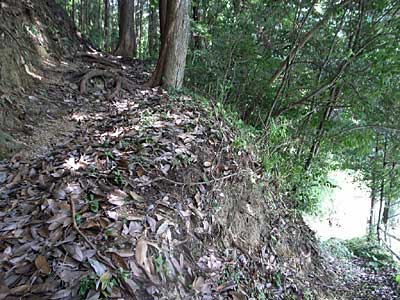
(156, 149)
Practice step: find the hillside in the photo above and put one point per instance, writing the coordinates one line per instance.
(113, 190)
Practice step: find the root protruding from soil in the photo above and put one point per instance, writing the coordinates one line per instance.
(120, 82)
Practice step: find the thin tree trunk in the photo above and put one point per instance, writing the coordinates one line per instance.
(382, 190)
(388, 202)
(152, 30)
(196, 18)
(106, 25)
(321, 128)
(81, 16)
(73, 11)
(373, 196)
(288, 60)
(87, 21)
(140, 28)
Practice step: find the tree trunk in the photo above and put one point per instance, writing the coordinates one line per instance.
(81, 16)
(197, 39)
(382, 191)
(87, 21)
(73, 11)
(126, 43)
(320, 131)
(106, 25)
(373, 197)
(163, 20)
(174, 28)
(152, 30)
(388, 202)
(139, 27)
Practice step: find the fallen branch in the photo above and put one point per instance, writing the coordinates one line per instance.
(194, 183)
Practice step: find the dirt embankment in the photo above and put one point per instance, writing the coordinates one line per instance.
(36, 40)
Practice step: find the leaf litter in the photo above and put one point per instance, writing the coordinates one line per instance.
(148, 199)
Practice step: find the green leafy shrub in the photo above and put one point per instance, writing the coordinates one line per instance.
(372, 251)
(337, 248)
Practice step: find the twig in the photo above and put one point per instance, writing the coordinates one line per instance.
(194, 183)
(93, 246)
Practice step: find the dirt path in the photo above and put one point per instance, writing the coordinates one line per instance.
(358, 279)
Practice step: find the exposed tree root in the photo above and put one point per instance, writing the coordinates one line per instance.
(120, 82)
(117, 89)
(91, 58)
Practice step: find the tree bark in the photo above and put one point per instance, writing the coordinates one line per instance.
(373, 196)
(81, 16)
(388, 202)
(382, 190)
(139, 28)
(73, 11)
(174, 28)
(196, 18)
(126, 43)
(106, 25)
(152, 30)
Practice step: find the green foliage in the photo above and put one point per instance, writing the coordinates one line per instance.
(307, 129)
(397, 278)
(85, 285)
(94, 204)
(372, 251)
(337, 248)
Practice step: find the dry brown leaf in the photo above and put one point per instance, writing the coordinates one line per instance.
(117, 197)
(141, 254)
(42, 264)
(238, 296)
(61, 294)
(136, 196)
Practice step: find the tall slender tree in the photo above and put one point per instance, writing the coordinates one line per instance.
(152, 30)
(106, 25)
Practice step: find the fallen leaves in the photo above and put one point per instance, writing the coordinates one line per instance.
(42, 264)
(140, 172)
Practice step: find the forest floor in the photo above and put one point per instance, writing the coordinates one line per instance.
(142, 196)
(360, 279)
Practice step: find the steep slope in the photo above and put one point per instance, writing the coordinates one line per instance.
(145, 196)
(148, 198)
(36, 40)
(142, 195)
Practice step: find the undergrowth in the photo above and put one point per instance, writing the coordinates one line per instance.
(371, 251)
(273, 147)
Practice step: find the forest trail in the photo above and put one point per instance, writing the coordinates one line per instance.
(138, 199)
